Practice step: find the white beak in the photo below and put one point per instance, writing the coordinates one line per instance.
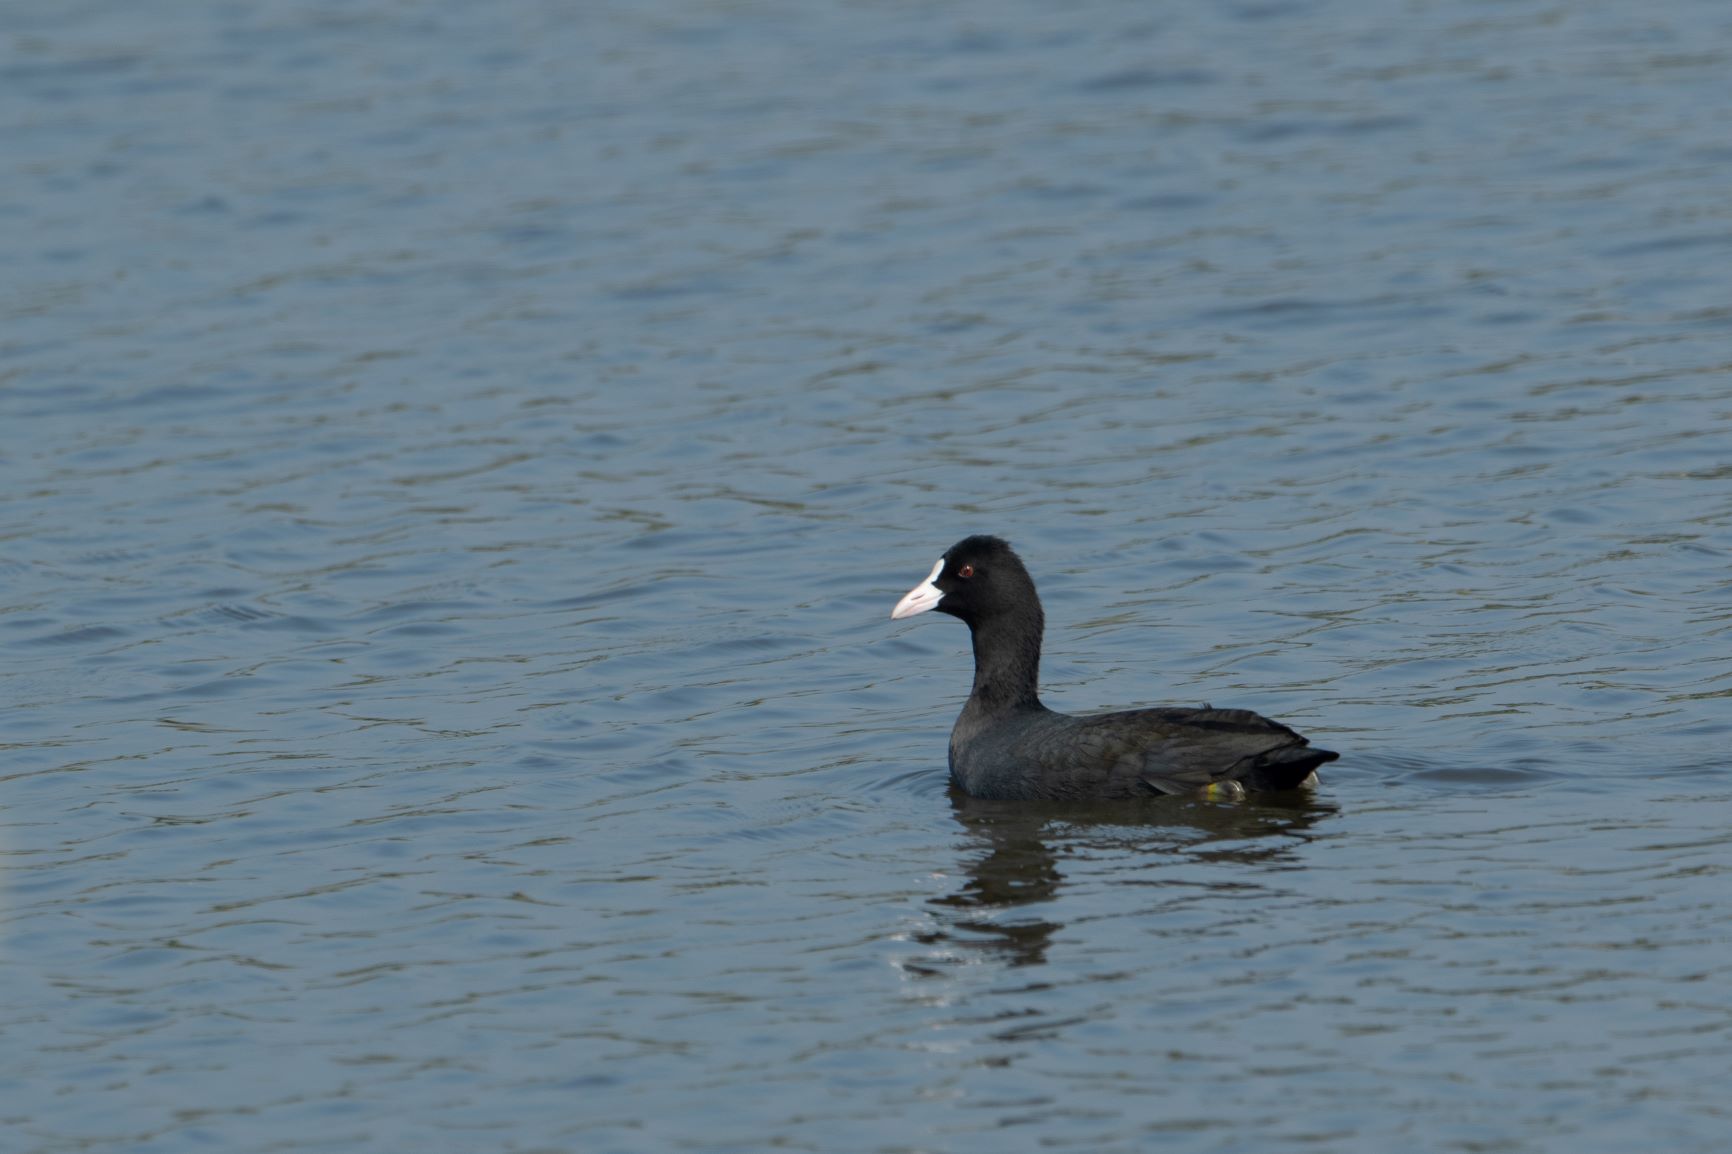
(922, 597)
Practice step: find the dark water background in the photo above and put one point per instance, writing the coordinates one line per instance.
(456, 462)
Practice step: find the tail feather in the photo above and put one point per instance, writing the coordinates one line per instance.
(1286, 768)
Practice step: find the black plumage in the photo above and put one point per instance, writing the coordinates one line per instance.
(1007, 745)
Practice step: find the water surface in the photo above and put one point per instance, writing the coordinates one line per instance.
(456, 463)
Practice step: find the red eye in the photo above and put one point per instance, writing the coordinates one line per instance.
(965, 571)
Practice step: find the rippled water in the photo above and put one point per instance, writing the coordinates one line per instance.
(456, 463)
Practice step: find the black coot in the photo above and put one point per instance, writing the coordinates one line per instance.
(1008, 745)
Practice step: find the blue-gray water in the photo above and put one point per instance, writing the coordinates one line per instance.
(457, 460)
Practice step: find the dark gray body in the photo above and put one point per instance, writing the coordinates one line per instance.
(1032, 753)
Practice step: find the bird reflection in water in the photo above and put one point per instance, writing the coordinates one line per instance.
(1015, 861)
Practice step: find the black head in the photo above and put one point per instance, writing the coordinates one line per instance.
(977, 579)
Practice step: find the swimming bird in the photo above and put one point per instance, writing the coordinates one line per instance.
(1007, 745)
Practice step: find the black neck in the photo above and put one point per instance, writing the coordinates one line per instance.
(1007, 661)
